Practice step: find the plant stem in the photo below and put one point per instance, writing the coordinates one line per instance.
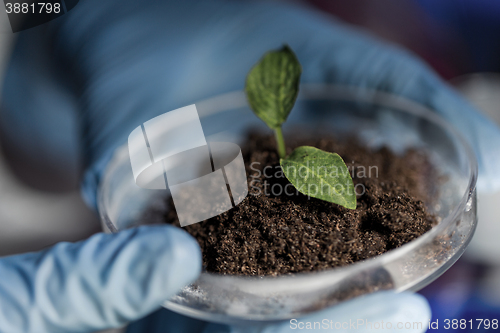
(280, 142)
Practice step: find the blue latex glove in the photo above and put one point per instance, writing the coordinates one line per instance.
(105, 281)
(374, 310)
(120, 63)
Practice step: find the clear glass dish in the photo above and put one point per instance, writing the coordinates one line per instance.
(376, 118)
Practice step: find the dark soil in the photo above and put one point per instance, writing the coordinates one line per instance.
(270, 234)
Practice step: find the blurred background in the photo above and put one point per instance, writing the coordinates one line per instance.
(460, 39)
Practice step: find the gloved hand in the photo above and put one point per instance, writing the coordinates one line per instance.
(120, 63)
(385, 311)
(105, 281)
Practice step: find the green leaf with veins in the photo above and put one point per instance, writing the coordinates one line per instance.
(272, 86)
(321, 175)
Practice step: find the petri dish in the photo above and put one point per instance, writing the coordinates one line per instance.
(375, 118)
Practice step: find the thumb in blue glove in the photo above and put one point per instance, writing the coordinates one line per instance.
(103, 282)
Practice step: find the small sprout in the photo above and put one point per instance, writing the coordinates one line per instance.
(271, 87)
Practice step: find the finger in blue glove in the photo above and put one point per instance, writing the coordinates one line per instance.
(105, 281)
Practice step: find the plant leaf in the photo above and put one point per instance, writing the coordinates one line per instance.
(272, 86)
(321, 175)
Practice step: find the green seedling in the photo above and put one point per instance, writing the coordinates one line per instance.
(272, 86)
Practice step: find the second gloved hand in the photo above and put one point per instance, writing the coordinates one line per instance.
(103, 282)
